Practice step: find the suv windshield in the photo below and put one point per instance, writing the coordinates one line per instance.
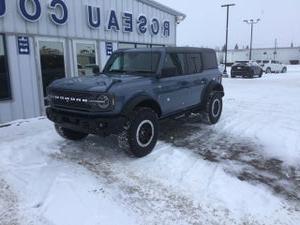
(133, 62)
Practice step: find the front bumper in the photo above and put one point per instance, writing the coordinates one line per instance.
(102, 126)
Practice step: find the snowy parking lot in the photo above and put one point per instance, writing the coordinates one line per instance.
(244, 170)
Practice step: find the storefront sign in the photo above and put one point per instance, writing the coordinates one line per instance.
(2, 8)
(23, 45)
(58, 12)
(109, 48)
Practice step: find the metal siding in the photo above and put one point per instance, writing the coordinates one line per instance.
(25, 97)
(24, 71)
(77, 26)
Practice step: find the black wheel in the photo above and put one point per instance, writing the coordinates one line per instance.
(213, 108)
(69, 134)
(232, 76)
(139, 137)
(284, 70)
(261, 73)
(268, 70)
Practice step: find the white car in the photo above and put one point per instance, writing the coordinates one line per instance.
(272, 66)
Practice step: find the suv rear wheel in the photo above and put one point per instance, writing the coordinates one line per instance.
(213, 108)
(69, 134)
(140, 136)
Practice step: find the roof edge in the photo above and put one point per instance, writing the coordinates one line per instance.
(179, 15)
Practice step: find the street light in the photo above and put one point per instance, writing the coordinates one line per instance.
(226, 44)
(251, 22)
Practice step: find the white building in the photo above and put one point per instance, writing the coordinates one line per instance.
(45, 40)
(285, 55)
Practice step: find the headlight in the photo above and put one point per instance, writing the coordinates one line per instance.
(104, 102)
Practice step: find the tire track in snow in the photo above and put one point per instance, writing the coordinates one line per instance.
(239, 157)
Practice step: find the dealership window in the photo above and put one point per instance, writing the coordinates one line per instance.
(5, 92)
(52, 60)
(86, 58)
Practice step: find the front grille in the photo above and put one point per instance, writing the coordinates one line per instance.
(70, 100)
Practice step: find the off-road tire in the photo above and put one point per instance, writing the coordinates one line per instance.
(130, 138)
(69, 134)
(211, 115)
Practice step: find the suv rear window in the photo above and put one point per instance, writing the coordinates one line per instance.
(209, 60)
(194, 63)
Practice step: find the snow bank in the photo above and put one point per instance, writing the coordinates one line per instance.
(267, 110)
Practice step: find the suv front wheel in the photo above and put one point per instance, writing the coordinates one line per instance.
(140, 135)
(213, 108)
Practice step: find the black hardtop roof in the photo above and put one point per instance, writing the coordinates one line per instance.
(169, 49)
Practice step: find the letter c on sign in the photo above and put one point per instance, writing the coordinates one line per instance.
(54, 4)
(2, 8)
(33, 16)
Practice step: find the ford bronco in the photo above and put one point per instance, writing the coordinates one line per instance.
(137, 88)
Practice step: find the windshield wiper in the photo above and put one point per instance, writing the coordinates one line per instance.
(116, 71)
(142, 71)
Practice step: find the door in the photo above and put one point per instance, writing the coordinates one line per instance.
(196, 78)
(52, 62)
(86, 57)
(170, 88)
(173, 86)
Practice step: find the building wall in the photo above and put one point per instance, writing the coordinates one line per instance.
(24, 70)
(77, 25)
(284, 55)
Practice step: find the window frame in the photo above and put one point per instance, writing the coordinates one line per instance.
(89, 42)
(186, 59)
(6, 66)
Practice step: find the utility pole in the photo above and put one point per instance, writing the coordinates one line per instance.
(251, 22)
(275, 49)
(226, 44)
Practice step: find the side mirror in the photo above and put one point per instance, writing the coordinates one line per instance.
(169, 71)
(96, 70)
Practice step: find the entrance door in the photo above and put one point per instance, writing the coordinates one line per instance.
(86, 57)
(52, 62)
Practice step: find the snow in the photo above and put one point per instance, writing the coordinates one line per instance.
(266, 109)
(196, 174)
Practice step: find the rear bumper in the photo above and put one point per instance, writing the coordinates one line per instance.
(241, 73)
(86, 124)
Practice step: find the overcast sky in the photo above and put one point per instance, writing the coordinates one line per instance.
(206, 20)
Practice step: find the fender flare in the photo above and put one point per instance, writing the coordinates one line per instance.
(140, 99)
(212, 86)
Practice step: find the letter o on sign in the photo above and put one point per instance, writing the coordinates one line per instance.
(32, 14)
(54, 4)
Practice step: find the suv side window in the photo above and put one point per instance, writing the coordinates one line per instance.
(174, 61)
(194, 63)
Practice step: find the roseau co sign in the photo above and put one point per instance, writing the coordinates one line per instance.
(58, 13)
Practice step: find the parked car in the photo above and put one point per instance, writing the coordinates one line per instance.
(272, 66)
(138, 87)
(247, 69)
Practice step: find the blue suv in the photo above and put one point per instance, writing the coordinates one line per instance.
(137, 88)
